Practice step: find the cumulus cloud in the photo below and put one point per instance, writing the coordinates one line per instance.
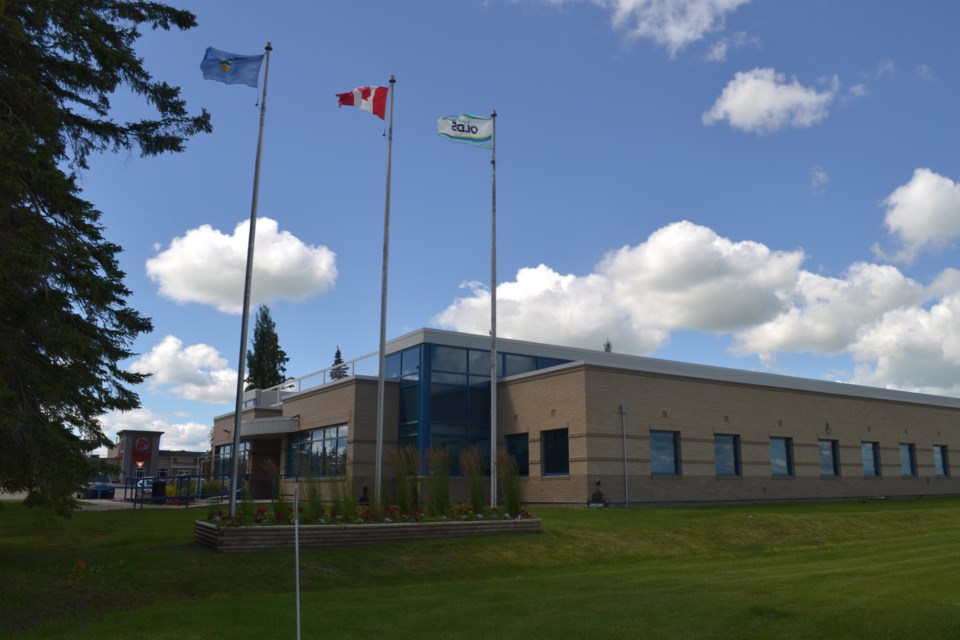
(673, 24)
(915, 349)
(189, 436)
(208, 267)
(684, 276)
(825, 315)
(901, 333)
(923, 214)
(197, 372)
(762, 101)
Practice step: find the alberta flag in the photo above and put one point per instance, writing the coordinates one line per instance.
(468, 129)
(231, 68)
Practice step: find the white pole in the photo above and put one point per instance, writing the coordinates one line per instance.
(383, 306)
(623, 430)
(241, 364)
(296, 544)
(493, 319)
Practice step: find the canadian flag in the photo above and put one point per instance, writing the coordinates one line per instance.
(372, 99)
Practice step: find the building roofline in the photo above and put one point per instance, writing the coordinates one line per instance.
(671, 368)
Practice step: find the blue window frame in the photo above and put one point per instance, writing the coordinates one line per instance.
(940, 460)
(318, 453)
(829, 458)
(518, 446)
(908, 460)
(870, 453)
(555, 453)
(726, 453)
(781, 457)
(665, 453)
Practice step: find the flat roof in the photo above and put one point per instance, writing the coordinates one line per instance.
(667, 367)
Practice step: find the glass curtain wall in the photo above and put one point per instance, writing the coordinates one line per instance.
(445, 395)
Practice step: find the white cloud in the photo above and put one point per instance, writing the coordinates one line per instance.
(923, 214)
(684, 276)
(673, 24)
(207, 266)
(885, 67)
(913, 349)
(901, 333)
(197, 372)
(819, 179)
(189, 436)
(826, 315)
(762, 101)
(719, 49)
(926, 73)
(853, 93)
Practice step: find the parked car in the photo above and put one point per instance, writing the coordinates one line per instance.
(100, 489)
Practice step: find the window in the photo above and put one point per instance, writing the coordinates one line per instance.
(318, 452)
(781, 457)
(940, 461)
(908, 460)
(556, 452)
(665, 453)
(518, 447)
(162, 473)
(726, 452)
(829, 457)
(870, 452)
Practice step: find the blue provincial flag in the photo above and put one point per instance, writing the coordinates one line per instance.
(468, 129)
(231, 68)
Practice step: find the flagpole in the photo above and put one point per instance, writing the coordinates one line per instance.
(241, 368)
(493, 319)
(381, 384)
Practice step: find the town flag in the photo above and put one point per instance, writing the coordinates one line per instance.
(372, 99)
(468, 129)
(231, 68)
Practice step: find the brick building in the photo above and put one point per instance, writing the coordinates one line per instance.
(650, 431)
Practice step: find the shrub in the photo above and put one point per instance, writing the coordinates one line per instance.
(473, 467)
(509, 483)
(314, 509)
(438, 482)
(406, 463)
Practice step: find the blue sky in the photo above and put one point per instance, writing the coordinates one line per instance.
(752, 184)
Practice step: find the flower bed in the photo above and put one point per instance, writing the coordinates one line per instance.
(260, 538)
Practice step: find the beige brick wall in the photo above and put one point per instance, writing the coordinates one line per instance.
(587, 399)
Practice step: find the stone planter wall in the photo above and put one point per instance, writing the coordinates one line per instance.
(260, 538)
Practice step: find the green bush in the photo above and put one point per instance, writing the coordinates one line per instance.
(509, 483)
(406, 464)
(438, 482)
(472, 464)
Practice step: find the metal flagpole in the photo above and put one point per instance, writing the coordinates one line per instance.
(296, 544)
(241, 368)
(493, 320)
(383, 305)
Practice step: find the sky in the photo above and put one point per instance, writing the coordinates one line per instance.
(770, 186)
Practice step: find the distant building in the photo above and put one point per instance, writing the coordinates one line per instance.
(137, 454)
(650, 431)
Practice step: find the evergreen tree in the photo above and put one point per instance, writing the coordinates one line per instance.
(608, 346)
(339, 370)
(267, 362)
(64, 322)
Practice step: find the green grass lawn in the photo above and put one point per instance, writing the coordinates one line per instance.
(872, 570)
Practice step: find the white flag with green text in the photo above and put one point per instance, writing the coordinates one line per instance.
(468, 129)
